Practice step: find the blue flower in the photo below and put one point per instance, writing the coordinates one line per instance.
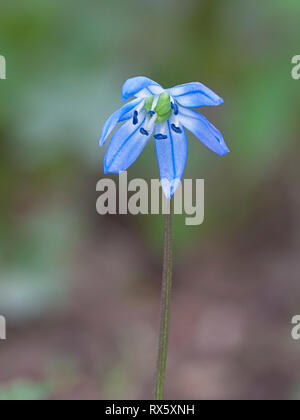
(165, 113)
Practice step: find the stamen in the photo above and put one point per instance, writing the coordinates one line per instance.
(175, 107)
(176, 120)
(176, 129)
(144, 132)
(160, 136)
(140, 106)
(163, 129)
(149, 124)
(154, 103)
(135, 118)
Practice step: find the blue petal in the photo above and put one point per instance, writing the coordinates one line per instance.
(116, 117)
(204, 130)
(171, 155)
(195, 94)
(125, 146)
(137, 84)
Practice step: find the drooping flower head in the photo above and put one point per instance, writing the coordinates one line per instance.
(164, 113)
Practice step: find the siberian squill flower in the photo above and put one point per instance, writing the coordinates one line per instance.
(166, 113)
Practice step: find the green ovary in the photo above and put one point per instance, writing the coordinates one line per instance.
(163, 107)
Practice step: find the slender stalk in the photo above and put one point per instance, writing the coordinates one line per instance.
(165, 308)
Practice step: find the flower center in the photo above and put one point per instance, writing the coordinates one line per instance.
(161, 106)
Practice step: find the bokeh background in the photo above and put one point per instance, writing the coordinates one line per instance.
(81, 291)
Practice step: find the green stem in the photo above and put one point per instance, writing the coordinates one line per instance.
(165, 308)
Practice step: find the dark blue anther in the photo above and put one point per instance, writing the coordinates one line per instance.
(151, 113)
(160, 137)
(135, 118)
(143, 131)
(174, 107)
(176, 129)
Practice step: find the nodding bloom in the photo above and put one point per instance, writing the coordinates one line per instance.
(166, 113)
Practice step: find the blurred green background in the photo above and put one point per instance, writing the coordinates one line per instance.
(81, 291)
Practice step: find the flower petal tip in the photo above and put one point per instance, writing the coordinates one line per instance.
(124, 97)
(225, 151)
(109, 169)
(169, 187)
(130, 87)
(105, 167)
(134, 85)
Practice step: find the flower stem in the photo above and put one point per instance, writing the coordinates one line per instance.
(165, 308)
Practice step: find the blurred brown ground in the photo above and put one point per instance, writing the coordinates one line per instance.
(230, 324)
